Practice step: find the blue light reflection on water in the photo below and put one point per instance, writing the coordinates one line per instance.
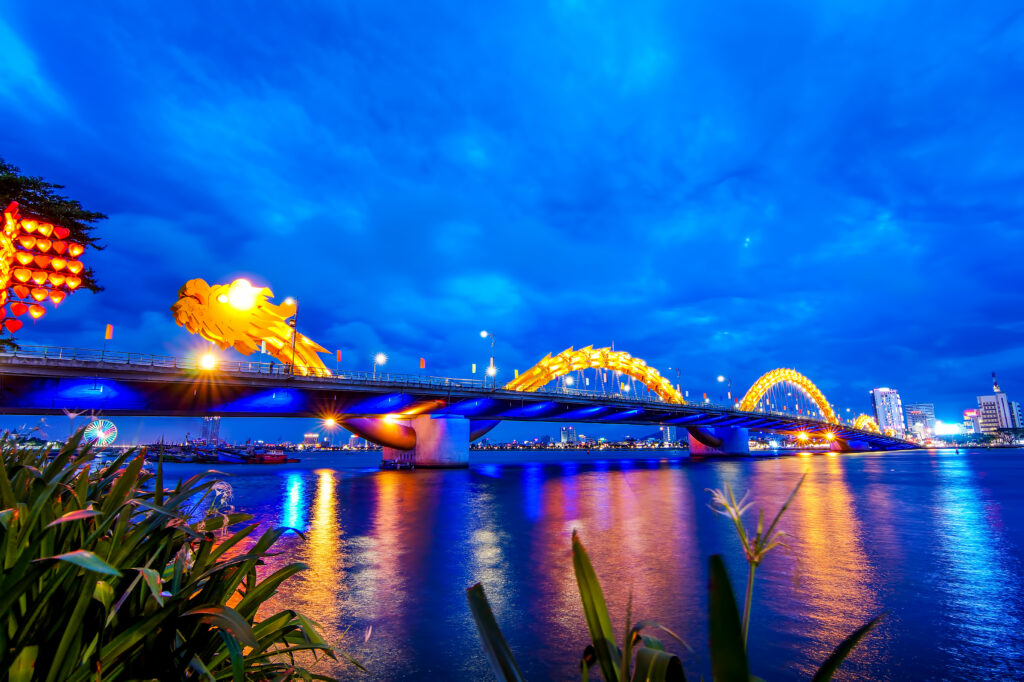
(934, 540)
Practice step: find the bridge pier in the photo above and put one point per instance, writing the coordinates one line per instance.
(720, 440)
(442, 442)
(841, 445)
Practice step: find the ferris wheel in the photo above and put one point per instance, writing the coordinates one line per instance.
(100, 432)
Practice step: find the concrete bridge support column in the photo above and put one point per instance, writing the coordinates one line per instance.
(721, 440)
(442, 442)
(840, 445)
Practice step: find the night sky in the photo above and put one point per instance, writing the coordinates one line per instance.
(725, 187)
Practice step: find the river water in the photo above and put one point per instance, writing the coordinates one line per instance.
(933, 539)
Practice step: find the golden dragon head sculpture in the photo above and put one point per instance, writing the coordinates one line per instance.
(241, 316)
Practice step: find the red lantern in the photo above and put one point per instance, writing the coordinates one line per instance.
(13, 325)
(43, 245)
(39, 294)
(39, 277)
(45, 229)
(24, 257)
(58, 263)
(36, 311)
(72, 282)
(57, 296)
(28, 225)
(20, 290)
(18, 309)
(61, 232)
(22, 274)
(27, 241)
(42, 261)
(55, 279)
(75, 250)
(75, 267)
(60, 247)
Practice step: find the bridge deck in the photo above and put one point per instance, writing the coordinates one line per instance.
(43, 380)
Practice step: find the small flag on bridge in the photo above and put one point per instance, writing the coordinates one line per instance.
(337, 354)
(705, 396)
(263, 346)
(474, 368)
(423, 363)
(517, 374)
(109, 334)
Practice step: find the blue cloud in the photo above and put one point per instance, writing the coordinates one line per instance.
(725, 188)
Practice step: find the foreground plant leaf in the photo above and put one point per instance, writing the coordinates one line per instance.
(728, 655)
(831, 664)
(503, 663)
(596, 612)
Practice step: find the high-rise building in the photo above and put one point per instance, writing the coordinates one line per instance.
(889, 411)
(668, 434)
(211, 429)
(920, 419)
(994, 410)
(568, 434)
(1017, 414)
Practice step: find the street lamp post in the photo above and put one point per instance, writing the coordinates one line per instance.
(492, 370)
(729, 382)
(292, 323)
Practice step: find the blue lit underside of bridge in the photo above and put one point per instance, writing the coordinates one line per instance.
(48, 387)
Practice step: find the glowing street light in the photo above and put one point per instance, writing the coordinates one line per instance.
(330, 422)
(379, 359)
(802, 436)
(492, 371)
(722, 378)
(569, 381)
(208, 361)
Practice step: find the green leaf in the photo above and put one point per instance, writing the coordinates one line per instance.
(24, 665)
(828, 668)
(728, 655)
(153, 582)
(103, 593)
(74, 516)
(503, 663)
(228, 619)
(657, 666)
(84, 559)
(596, 611)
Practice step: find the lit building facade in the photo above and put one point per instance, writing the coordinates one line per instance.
(211, 429)
(668, 434)
(920, 419)
(889, 411)
(994, 410)
(568, 434)
(1017, 414)
(971, 422)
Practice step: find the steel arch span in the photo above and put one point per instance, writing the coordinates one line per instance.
(569, 360)
(778, 376)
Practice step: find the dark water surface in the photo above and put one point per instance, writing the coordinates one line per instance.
(936, 540)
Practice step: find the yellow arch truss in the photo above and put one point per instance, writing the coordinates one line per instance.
(777, 376)
(569, 360)
(866, 423)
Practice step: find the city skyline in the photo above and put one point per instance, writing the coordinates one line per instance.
(406, 213)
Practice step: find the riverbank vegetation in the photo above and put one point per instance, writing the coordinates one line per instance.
(639, 655)
(110, 575)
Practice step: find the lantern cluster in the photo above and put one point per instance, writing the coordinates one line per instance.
(37, 264)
